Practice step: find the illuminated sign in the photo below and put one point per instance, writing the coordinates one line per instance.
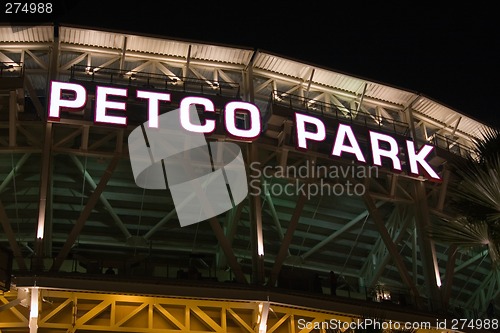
(382, 146)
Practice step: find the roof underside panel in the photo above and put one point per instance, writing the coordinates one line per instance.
(157, 46)
(91, 38)
(449, 117)
(276, 64)
(38, 34)
(288, 68)
(389, 94)
(221, 54)
(338, 81)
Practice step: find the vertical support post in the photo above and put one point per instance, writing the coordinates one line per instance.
(414, 242)
(263, 314)
(430, 267)
(443, 189)
(410, 120)
(257, 238)
(122, 56)
(47, 235)
(361, 98)
(44, 190)
(12, 118)
(450, 272)
(33, 321)
(45, 173)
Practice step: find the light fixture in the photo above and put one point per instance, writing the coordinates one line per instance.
(33, 323)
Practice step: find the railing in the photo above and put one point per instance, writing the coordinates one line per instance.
(452, 146)
(154, 81)
(341, 113)
(346, 115)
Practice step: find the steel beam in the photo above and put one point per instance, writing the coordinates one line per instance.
(391, 247)
(339, 232)
(85, 214)
(285, 244)
(228, 251)
(450, 269)
(426, 245)
(119, 223)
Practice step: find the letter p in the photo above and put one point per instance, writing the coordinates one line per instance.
(56, 101)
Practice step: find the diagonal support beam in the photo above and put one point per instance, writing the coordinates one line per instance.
(232, 220)
(40, 110)
(280, 258)
(450, 269)
(391, 247)
(472, 260)
(140, 67)
(75, 61)
(4, 58)
(103, 199)
(274, 214)
(228, 251)
(339, 232)
(387, 258)
(12, 172)
(225, 77)
(37, 60)
(77, 228)
(160, 223)
(106, 64)
(7, 229)
(166, 71)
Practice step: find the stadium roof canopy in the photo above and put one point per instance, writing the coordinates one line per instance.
(370, 240)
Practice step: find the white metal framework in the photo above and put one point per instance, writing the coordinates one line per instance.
(69, 204)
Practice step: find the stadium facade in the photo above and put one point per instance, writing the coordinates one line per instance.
(344, 177)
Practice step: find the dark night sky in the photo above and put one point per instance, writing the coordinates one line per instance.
(449, 54)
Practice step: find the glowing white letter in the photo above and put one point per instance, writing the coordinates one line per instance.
(101, 104)
(230, 120)
(154, 101)
(303, 134)
(339, 147)
(56, 102)
(186, 121)
(377, 152)
(414, 158)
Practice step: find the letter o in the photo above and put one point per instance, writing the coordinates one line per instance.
(230, 120)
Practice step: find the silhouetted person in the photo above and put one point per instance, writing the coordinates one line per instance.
(333, 283)
(193, 273)
(181, 274)
(110, 271)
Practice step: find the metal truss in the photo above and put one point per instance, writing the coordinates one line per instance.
(74, 311)
(378, 239)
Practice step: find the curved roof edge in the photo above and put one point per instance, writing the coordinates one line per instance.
(238, 55)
